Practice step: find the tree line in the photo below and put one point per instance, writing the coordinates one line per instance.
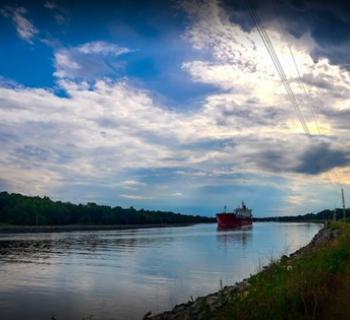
(320, 216)
(19, 209)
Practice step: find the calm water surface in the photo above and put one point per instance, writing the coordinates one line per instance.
(125, 273)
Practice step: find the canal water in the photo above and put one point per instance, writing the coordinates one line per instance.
(123, 274)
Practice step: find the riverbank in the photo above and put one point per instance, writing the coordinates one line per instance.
(312, 283)
(67, 228)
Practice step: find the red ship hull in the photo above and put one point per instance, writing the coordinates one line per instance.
(230, 220)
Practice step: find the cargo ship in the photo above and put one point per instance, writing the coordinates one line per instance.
(241, 216)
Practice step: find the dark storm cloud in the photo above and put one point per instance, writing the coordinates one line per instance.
(317, 158)
(321, 158)
(328, 22)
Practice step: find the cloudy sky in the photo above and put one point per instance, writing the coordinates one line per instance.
(175, 106)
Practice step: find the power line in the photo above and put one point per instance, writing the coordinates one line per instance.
(314, 113)
(302, 86)
(275, 60)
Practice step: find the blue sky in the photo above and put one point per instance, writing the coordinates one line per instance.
(174, 106)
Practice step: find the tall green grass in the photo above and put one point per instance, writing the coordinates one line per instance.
(303, 287)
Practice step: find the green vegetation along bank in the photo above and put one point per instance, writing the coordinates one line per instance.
(20, 210)
(323, 215)
(312, 283)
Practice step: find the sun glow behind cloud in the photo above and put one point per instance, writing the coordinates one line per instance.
(107, 138)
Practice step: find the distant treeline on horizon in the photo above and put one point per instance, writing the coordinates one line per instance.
(17, 209)
(321, 216)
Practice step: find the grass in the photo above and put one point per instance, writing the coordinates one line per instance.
(314, 285)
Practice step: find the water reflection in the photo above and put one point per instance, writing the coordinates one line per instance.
(125, 273)
(241, 235)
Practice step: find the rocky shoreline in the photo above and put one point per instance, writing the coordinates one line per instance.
(202, 307)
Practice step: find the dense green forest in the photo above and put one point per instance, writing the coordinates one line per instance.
(322, 215)
(18, 209)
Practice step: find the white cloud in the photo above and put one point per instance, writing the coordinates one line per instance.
(89, 61)
(133, 184)
(102, 47)
(241, 66)
(101, 132)
(64, 64)
(135, 197)
(25, 29)
(110, 134)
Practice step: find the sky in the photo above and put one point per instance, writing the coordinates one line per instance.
(176, 105)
